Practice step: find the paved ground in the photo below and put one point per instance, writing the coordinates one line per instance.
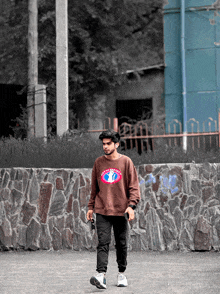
(148, 272)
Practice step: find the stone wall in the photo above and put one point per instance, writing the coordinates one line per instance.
(46, 209)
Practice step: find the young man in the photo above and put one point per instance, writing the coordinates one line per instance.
(114, 194)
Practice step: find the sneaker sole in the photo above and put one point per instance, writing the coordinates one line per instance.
(96, 283)
(121, 285)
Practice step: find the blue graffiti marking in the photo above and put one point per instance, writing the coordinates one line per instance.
(172, 182)
(169, 184)
(141, 182)
(151, 179)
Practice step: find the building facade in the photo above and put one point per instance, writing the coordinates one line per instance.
(192, 59)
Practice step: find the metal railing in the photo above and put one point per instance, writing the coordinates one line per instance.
(146, 135)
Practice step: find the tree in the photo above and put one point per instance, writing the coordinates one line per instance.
(106, 37)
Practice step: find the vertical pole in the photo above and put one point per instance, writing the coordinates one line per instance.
(115, 124)
(183, 59)
(32, 64)
(40, 112)
(62, 85)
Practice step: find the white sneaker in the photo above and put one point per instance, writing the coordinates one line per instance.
(122, 280)
(99, 280)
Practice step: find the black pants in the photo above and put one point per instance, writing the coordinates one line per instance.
(104, 225)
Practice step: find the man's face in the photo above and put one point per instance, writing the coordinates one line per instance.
(108, 146)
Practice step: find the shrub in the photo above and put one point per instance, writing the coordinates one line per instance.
(81, 150)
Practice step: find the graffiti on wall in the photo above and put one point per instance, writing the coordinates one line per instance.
(167, 184)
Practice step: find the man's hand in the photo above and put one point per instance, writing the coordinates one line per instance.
(130, 212)
(89, 215)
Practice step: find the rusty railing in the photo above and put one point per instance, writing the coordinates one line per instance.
(145, 135)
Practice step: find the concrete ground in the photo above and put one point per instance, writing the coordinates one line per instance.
(148, 272)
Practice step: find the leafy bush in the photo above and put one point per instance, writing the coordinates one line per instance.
(81, 149)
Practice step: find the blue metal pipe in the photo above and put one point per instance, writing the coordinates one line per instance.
(183, 61)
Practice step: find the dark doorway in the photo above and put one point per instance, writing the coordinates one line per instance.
(11, 98)
(133, 110)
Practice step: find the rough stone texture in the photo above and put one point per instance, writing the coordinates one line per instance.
(44, 201)
(46, 209)
(203, 235)
(33, 234)
(27, 211)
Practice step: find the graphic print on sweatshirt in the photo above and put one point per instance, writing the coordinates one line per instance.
(111, 176)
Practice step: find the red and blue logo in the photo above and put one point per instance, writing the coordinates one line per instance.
(111, 176)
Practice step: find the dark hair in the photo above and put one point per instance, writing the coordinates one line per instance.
(110, 134)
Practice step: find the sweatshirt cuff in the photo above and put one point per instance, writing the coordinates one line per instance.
(132, 206)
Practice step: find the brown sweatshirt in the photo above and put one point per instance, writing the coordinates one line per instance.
(114, 186)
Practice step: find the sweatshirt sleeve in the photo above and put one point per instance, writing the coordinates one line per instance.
(133, 185)
(94, 189)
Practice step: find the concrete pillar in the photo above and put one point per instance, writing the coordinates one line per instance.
(62, 78)
(40, 112)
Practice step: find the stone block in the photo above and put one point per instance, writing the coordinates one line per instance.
(14, 220)
(4, 194)
(213, 202)
(142, 170)
(22, 238)
(60, 223)
(153, 200)
(52, 223)
(178, 218)
(56, 239)
(76, 241)
(44, 201)
(8, 208)
(83, 216)
(169, 239)
(168, 222)
(27, 212)
(196, 188)
(76, 208)
(82, 182)
(75, 188)
(160, 213)
(24, 180)
(6, 233)
(207, 194)
(82, 197)
(33, 235)
(215, 240)
(197, 207)
(70, 221)
(16, 197)
(59, 184)
(186, 182)
(85, 236)
(14, 239)
(57, 205)
(67, 237)
(154, 231)
(217, 192)
(173, 203)
(186, 241)
(5, 180)
(45, 238)
(191, 200)
(18, 185)
(135, 240)
(142, 220)
(34, 191)
(203, 235)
